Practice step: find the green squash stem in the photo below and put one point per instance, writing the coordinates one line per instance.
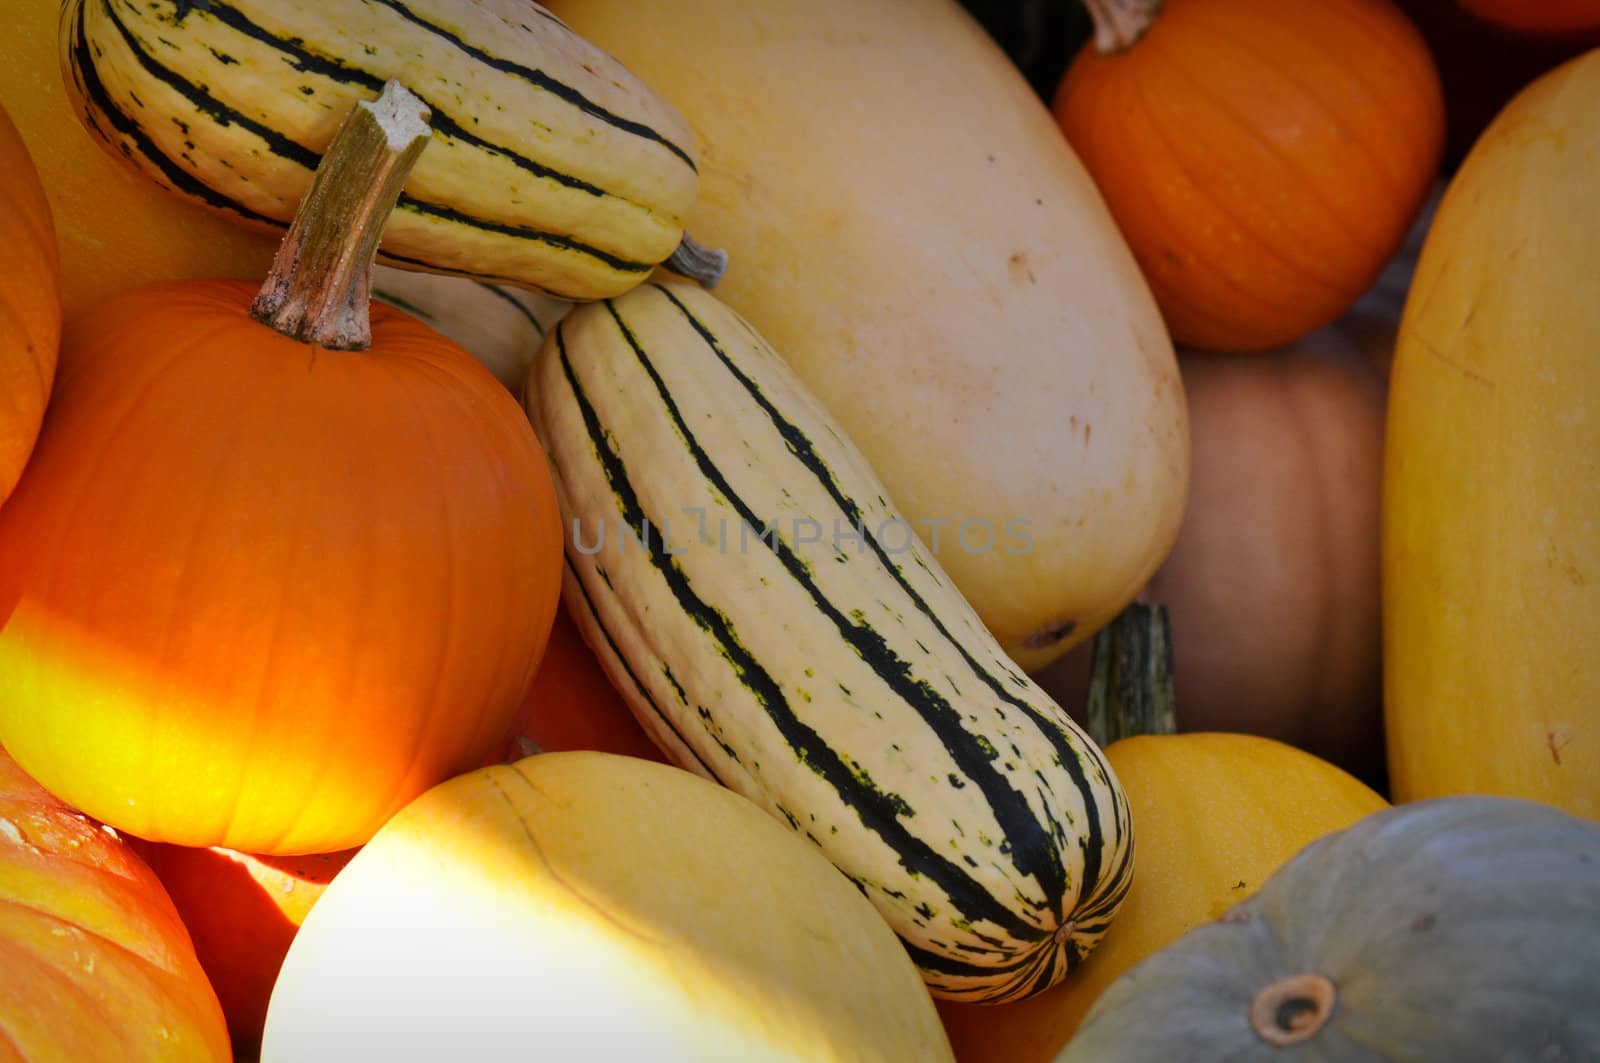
(1130, 682)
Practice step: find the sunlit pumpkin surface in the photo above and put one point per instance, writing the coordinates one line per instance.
(591, 906)
(1217, 814)
(94, 962)
(258, 594)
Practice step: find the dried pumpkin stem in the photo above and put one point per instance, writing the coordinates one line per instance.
(703, 265)
(1130, 682)
(1119, 23)
(320, 284)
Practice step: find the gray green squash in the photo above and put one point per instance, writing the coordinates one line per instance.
(1459, 929)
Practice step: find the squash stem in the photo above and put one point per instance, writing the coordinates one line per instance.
(1130, 683)
(1119, 23)
(320, 285)
(704, 265)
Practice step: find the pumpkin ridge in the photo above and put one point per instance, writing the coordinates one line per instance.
(1262, 242)
(1308, 93)
(1201, 191)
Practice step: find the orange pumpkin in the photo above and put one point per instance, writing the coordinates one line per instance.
(95, 963)
(259, 592)
(30, 305)
(1273, 582)
(242, 912)
(1539, 16)
(1264, 159)
(572, 705)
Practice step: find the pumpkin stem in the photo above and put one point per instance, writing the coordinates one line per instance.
(1119, 23)
(1293, 1009)
(1130, 679)
(320, 285)
(704, 265)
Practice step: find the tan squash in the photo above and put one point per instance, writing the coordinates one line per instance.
(905, 223)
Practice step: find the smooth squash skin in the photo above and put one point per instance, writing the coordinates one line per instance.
(593, 906)
(905, 223)
(1217, 815)
(1491, 548)
(117, 229)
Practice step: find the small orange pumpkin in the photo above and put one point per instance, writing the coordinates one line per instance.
(30, 305)
(258, 591)
(1264, 159)
(95, 963)
(242, 912)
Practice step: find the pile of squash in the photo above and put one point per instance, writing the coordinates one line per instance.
(753, 530)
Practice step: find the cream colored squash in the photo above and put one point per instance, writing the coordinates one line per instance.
(593, 906)
(906, 223)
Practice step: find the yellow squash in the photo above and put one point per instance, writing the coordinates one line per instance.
(1217, 815)
(1491, 551)
(905, 222)
(592, 906)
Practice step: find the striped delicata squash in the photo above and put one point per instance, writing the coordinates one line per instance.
(775, 626)
(552, 167)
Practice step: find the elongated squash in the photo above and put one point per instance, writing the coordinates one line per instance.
(553, 167)
(906, 224)
(501, 326)
(1491, 536)
(775, 625)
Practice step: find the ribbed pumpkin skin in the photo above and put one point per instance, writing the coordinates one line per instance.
(1264, 159)
(585, 906)
(242, 911)
(30, 304)
(905, 225)
(1217, 815)
(1462, 928)
(94, 962)
(1273, 583)
(259, 594)
(1491, 554)
(1538, 16)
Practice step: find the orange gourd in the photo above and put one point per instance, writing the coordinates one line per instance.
(30, 305)
(242, 912)
(1264, 159)
(260, 586)
(95, 963)
(1538, 16)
